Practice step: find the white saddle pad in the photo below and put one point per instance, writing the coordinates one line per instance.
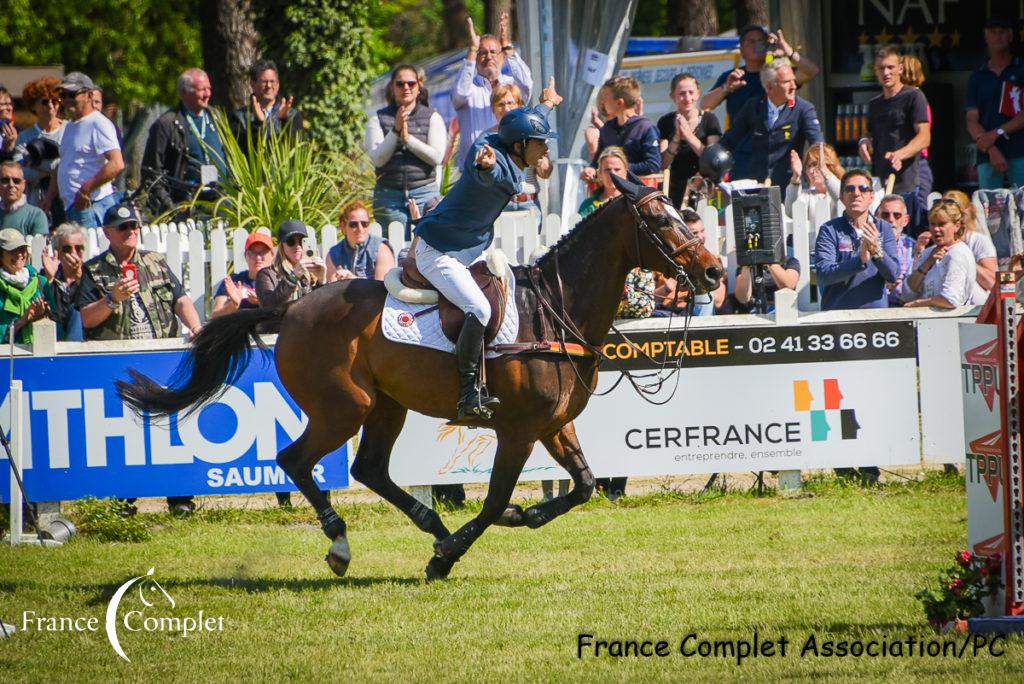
(400, 323)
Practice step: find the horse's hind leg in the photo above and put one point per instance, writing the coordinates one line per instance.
(565, 449)
(508, 464)
(370, 467)
(297, 460)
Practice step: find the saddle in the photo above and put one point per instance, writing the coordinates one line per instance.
(408, 284)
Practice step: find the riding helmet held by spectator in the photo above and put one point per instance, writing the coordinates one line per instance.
(715, 162)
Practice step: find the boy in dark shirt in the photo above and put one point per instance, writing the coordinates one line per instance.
(898, 126)
(620, 98)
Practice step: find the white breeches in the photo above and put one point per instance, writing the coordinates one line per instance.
(449, 273)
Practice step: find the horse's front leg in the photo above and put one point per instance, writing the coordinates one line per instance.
(565, 449)
(508, 464)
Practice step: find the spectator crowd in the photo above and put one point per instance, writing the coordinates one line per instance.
(885, 248)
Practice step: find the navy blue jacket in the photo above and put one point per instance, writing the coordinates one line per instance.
(845, 282)
(796, 126)
(638, 137)
(465, 217)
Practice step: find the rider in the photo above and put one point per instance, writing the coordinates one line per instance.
(456, 233)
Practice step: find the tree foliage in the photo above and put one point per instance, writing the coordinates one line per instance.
(322, 49)
(135, 49)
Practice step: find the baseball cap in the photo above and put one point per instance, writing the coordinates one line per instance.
(11, 239)
(259, 239)
(121, 213)
(291, 227)
(997, 21)
(753, 27)
(76, 82)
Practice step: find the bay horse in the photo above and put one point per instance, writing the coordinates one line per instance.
(358, 378)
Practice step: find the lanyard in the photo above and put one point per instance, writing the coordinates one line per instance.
(200, 135)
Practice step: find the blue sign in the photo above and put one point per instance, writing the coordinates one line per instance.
(80, 440)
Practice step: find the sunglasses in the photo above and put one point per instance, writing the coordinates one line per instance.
(127, 226)
(358, 224)
(864, 189)
(891, 214)
(78, 249)
(10, 180)
(293, 240)
(406, 84)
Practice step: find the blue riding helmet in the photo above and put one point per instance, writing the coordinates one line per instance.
(522, 124)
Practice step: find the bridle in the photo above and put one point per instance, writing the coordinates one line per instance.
(566, 324)
(665, 249)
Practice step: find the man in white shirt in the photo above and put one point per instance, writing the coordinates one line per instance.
(90, 155)
(480, 73)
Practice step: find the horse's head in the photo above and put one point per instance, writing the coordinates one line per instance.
(663, 241)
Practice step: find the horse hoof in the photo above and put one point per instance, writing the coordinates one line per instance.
(535, 518)
(438, 568)
(339, 556)
(512, 517)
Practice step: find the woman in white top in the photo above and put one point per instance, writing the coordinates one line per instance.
(944, 274)
(816, 176)
(981, 246)
(406, 141)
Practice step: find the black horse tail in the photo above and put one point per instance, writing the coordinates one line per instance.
(219, 354)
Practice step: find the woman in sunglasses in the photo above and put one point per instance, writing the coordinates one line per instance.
(24, 292)
(406, 141)
(943, 275)
(293, 273)
(360, 254)
(40, 164)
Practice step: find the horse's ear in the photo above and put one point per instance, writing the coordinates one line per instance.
(634, 178)
(629, 188)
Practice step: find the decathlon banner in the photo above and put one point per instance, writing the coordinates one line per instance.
(748, 399)
(80, 440)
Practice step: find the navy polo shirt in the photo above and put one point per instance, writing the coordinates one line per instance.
(985, 93)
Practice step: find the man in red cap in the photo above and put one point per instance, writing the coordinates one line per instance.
(238, 291)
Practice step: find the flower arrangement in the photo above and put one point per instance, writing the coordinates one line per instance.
(966, 585)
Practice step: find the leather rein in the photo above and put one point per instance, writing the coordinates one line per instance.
(566, 325)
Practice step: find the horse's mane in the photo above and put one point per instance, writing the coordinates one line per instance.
(573, 235)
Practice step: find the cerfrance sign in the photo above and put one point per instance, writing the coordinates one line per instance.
(778, 398)
(80, 440)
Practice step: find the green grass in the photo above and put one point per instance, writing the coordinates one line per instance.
(843, 563)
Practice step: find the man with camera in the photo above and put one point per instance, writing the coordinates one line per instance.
(15, 211)
(131, 294)
(128, 293)
(742, 84)
(184, 154)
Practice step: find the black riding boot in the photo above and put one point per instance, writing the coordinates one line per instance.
(474, 402)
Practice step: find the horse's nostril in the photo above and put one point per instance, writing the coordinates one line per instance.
(713, 274)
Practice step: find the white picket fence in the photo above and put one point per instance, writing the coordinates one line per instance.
(215, 251)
